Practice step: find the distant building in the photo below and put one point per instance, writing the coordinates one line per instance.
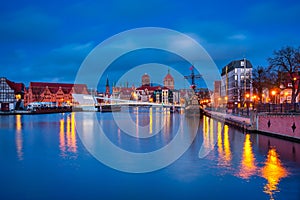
(146, 80)
(169, 81)
(146, 92)
(217, 93)
(124, 93)
(11, 95)
(59, 93)
(285, 95)
(236, 85)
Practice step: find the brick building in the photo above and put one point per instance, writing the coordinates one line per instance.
(59, 93)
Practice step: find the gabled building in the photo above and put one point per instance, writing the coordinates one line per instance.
(11, 95)
(59, 93)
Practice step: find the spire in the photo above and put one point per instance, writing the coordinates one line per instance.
(107, 90)
(107, 83)
(168, 70)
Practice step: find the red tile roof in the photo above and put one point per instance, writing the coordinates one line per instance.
(38, 87)
(168, 76)
(17, 87)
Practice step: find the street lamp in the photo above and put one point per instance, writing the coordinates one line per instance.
(273, 94)
(286, 94)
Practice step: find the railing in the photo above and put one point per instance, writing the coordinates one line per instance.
(278, 108)
(267, 108)
(243, 112)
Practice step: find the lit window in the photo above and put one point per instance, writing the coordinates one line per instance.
(235, 77)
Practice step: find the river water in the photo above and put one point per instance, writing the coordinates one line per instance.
(64, 156)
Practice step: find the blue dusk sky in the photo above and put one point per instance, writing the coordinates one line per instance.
(48, 40)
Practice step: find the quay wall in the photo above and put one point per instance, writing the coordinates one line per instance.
(287, 125)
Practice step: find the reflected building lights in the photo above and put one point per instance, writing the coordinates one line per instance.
(150, 121)
(208, 133)
(137, 122)
(67, 135)
(219, 141)
(19, 137)
(273, 171)
(62, 145)
(73, 134)
(248, 165)
(227, 145)
(211, 133)
(223, 146)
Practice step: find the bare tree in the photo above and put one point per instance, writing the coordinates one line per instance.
(259, 77)
(287, 60)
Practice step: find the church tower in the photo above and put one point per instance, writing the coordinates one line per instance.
(146, 80)
(107, 90)
(169, 81)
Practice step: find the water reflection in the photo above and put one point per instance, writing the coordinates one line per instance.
(223, 146)
(248, 165)
(273, 171)
(19, 137)
(150, 121)
(209, 136)
(67, 135)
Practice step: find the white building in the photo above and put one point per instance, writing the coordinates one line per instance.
(236, 85)
(11, 95)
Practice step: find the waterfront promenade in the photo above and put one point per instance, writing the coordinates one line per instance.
(281, 125)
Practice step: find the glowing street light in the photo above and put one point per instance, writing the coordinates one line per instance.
(273, 94)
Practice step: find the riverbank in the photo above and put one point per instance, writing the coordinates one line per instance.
(282, 126)
(236, 121)
(38, 111)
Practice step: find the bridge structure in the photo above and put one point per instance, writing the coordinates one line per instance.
(90, 102)
(121, 102)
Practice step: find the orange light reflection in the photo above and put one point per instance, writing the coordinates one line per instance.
(248, 164)
(19, 138)
(67, 135)
(227, 145)
(273, 171)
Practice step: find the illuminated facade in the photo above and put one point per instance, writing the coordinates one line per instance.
(11, 94)
(125, 93)
(236, 81)
(59, 93)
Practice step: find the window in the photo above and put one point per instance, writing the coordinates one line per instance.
(235, 70)
(235, 77)
(242, 77)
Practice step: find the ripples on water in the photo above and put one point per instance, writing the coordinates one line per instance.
(235, 165)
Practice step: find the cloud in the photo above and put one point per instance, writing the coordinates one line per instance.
(68, 54)
(237, 37)
(59, 64)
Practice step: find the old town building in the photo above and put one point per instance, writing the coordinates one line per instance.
(11, 95)
(59, 93)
